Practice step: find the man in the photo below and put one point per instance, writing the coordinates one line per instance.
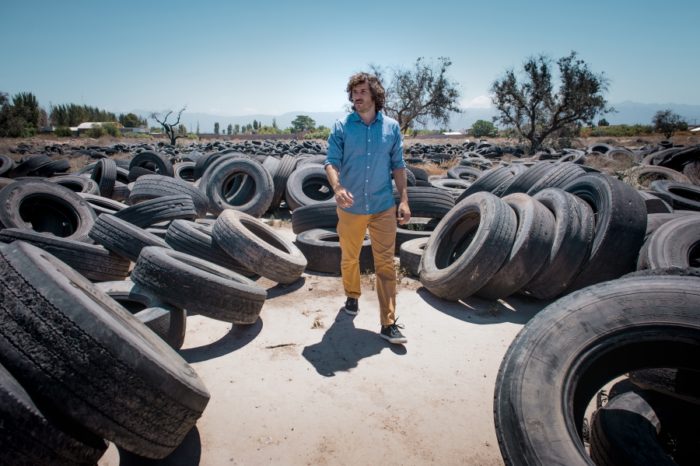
(364, 151)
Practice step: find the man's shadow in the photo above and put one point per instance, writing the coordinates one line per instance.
(343, 346)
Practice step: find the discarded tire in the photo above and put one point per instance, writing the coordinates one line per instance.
(534, 238)
(306, 185)
(619, 228)
(241, 184)
(321, 215)
(98, 366)
(94, 262)
(45, 207)
(159, 209)
(258, 247)
(570, 349)
(682, 195)
(30, 435)
(199, 286)
(153, 186)
(673, 244)
(123, 238)
(152, 161)
(321, 248)
(410, 255)
(468, 246)
(166, 320)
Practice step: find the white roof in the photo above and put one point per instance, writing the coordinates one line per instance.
(695, 129)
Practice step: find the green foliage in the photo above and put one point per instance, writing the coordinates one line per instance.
(63, 131)
(131, 120)
(537, 110)
(216, 128)
(483, 128)
(111, 129)
(319, 133)
(229, 129)
(668, 122)
(603, 122)
(182, 130)
(617, 131)
(303, 123)
(96, 132)
(420, 94)
(21, 117)
(73, 115)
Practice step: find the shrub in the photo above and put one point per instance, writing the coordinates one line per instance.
(111, 129)
(96, 132)
(320, 133)
(483, 128)
(617, 131)
(63, 132)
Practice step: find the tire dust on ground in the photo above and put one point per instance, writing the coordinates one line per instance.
(310, 385)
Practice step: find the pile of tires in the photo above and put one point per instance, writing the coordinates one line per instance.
(644, 326)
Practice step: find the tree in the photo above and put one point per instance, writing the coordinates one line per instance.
(169, 128)
(21, 117)
(182, 130)
(482, 128)
(229, 129)
(274, 123)
(419, 94)
(668, 122)
(236, 128)
(197, 127)
(603, 122)
(303, 123)
(216, 128)
(131, 120)
(537, 111)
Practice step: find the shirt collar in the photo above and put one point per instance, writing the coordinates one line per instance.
(354, 116)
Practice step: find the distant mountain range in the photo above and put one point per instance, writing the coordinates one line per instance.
(626, 113)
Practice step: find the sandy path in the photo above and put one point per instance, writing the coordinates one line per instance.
(309, 384)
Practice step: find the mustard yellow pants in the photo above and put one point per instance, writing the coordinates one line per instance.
(382, 235)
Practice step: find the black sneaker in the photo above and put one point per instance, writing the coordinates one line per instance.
(392, 334)
(351, 306)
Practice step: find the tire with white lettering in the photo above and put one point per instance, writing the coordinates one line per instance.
(258, 247)
(95, 262)
(468, 246)
(321, 247)
(99, 366)
(619, 229)
(573, 236)
(166, 320)
(199, 286)
(46, 207)
(573, 347)
(534, 239)
(30, 435)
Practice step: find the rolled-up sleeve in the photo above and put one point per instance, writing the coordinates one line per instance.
(336, 142)
(397, 160)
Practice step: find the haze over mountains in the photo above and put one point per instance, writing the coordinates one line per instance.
(626, 113)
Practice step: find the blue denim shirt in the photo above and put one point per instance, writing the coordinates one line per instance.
(365, 155)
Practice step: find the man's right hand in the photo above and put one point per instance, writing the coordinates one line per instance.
(343, 197)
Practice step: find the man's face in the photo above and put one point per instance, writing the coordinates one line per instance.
(362, 97)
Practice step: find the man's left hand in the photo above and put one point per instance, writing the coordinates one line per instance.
(403, 213)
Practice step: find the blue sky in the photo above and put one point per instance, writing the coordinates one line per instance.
(271, 57)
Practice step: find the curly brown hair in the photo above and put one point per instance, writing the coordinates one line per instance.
(375, 87)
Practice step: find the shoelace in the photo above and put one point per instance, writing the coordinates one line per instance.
(397, 325)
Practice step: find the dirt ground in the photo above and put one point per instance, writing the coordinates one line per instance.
(311, 385)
